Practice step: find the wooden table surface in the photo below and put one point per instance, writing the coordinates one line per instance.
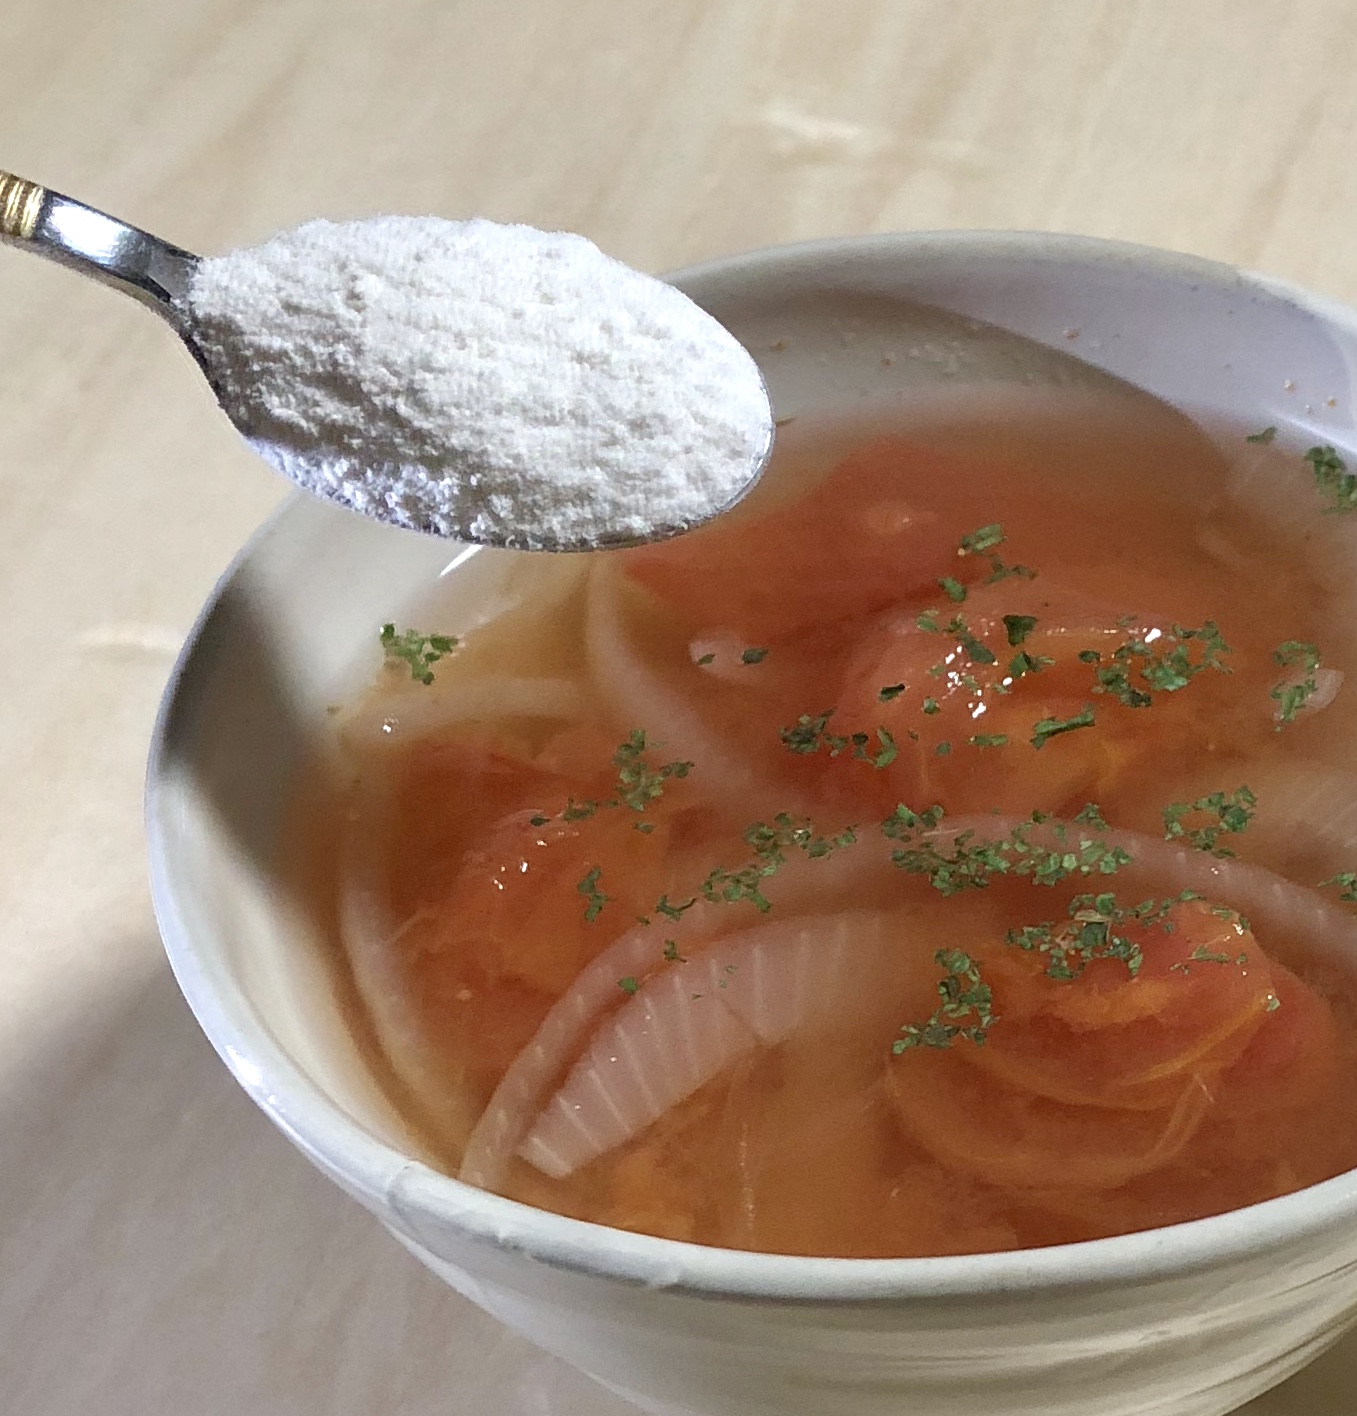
(162, 1251)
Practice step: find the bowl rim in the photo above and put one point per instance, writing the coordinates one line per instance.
(418, 1201)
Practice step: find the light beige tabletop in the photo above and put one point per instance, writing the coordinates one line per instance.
(162, 1251)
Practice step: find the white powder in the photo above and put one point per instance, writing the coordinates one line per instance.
(470, 379)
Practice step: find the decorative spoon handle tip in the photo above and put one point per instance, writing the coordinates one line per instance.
(20, 205)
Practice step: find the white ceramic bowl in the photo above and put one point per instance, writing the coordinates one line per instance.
(1191, 1320)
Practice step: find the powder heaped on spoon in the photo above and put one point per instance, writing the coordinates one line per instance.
(470, 378)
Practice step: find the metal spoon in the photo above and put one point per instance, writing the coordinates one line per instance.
(159, 275)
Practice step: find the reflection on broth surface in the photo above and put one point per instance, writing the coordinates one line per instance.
(924, 859)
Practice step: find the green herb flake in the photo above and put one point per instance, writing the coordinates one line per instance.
(770, 846)
(931, 706)
(1025, 663)
(885, 753)
(753, 656)
(1293, 693)
(1337, 485)
(810, 733)
(418, 652)
(890, 692)
(666, 907)
(1346, 881)
(988, 739)
(1096, 928)
(671, 952)
(984, 538)
(1202, 955)
(1228, 813)
(1019, 627)
(975, 651)
(628, 984)
(943, 749)
(594, 898)
(966, 1010)
(999, 571)
(968, 861)
(927, 622)
(639, 782)
(1091, 814)
(1158, 662)
(953, 589)
(1263, 435)
(705, 660)
(1047, 728)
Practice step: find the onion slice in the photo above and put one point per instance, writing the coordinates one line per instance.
(371, 938)
(419, 711)
(686, 1023)
(1263, 897)
(639, 693)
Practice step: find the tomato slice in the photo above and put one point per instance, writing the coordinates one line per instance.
(1012, 1138)
(1094, 1082)
(859, 542)
(964, 706)
(482, 878)
(1113, 1039)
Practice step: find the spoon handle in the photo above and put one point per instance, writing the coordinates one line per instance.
(133, 261)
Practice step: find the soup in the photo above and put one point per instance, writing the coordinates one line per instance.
(945, 852)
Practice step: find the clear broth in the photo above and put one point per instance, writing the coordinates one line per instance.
(1219, 1074)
